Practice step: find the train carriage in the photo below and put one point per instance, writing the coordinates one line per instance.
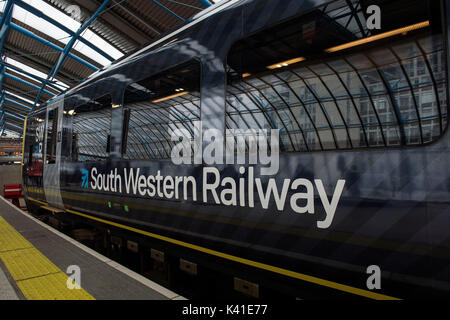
(358, 111)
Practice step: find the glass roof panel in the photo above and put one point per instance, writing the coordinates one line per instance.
(61, 36)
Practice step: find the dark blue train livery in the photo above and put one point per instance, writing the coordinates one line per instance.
(299, 146)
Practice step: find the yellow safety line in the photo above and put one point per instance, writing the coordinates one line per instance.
(35, 200)
(35, 275)
(335, 236)
(259, 265)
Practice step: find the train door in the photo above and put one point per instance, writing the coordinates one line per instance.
(52, 163)
(33, 155)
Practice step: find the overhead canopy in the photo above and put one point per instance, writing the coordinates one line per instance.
(49, 46)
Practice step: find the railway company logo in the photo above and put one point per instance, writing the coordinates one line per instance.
(84, 178)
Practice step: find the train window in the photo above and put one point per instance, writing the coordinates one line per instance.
(157, 105)
(52, 131)
(91, 127)
(328, 82)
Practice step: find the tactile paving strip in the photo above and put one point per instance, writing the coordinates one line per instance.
(51, 287)
(27, 263)
(11, 240)
(36, 276)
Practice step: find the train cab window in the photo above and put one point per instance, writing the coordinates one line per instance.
(52, 131)
(326, 81)
(91, 130)
(156, 106)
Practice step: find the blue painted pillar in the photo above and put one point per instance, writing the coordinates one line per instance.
(2, 75)
(6, 16)
(4, 24)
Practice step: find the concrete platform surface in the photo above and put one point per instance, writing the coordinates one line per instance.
(36, 261)
(7, 291)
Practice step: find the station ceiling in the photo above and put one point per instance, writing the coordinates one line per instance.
(49, 46)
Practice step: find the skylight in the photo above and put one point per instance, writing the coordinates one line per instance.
(35, 72)
(19, 97)
(54, 32)
(10, 133)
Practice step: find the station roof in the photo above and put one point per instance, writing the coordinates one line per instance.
(49, 46)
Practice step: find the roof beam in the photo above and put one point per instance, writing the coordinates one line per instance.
(35, 77)
(5, 17)
(7, 75)
(10, 108)
(16, 88)
(17, 103)
(13, 125)
(5, 21)
(41, 15)
(66, 52)
(168, 10)
(2, 102)
(17, 97)
(2, 75)
(51, 45)
(115, 22)
(14, 131)
(17, 122)
(41, 65)
(12, 73)
(12, 115)
(149, 24)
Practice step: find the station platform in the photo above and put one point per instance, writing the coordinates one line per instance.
(36, 262)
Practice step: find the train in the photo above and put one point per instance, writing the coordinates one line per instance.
(294, 149)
